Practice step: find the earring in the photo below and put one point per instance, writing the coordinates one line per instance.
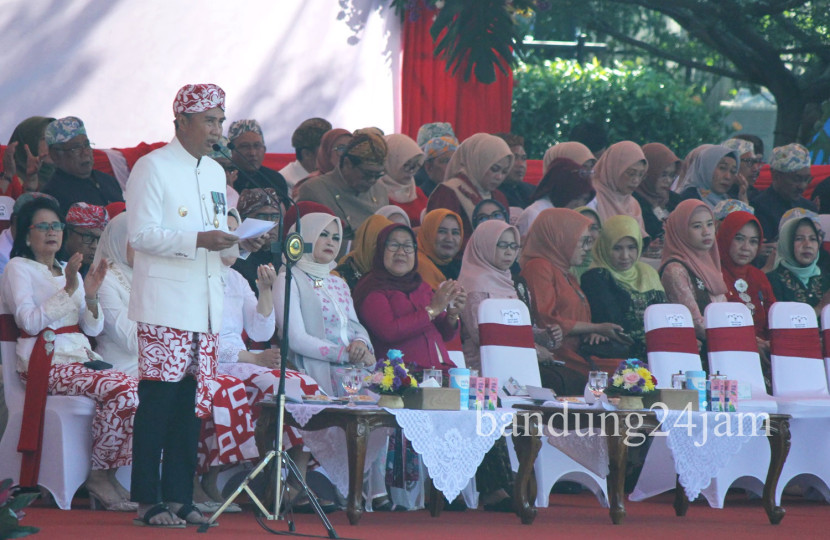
(28, 243)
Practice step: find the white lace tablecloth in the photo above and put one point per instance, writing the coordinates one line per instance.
(703, 442)
(452, 443)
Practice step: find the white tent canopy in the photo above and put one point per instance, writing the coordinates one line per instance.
(117, 64)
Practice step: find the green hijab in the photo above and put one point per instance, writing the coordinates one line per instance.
(640, 277)
(589, 212)
(786, 255)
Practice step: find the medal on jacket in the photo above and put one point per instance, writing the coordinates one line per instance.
(219, 206)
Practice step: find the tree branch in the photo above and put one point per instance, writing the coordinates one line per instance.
(811, 42)
(607, 29)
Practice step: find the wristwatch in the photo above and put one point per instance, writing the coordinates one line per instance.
(430, 312)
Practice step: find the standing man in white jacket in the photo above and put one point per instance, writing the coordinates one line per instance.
(177, 211)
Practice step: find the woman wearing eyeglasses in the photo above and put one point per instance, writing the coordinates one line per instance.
(711, 174)
(485, 273)
(263, 205)
(558, 240)
(620, 287)
(403, 159)
(401, 311)
(54, 309)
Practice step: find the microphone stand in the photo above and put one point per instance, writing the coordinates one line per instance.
(293, 249)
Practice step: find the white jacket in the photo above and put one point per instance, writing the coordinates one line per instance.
(169, 200)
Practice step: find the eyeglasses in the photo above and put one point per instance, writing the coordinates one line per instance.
(44, 227)
(247, 147)
(267, 217)
(340, 148)
(800, 178)
(374, 175)
(86, 238)
(481, 218)
(411, 167)
(394, 247)
(507, 245)
(586, 173)
(75, 150)
(587, 242)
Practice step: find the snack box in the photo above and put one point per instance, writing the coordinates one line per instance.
(432, 399)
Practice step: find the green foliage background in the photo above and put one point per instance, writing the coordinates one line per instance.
(634, 102)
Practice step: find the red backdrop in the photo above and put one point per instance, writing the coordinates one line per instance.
(431, 94)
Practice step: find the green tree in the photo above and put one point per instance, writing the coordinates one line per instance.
(783, 45)
(635, 102)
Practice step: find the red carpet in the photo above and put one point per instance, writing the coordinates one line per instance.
(568, 515)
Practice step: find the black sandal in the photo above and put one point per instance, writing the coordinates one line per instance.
(188, 509)
(153, 511)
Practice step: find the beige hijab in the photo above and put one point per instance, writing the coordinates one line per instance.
(400, 185)
(473, 159)
(575, 151)
(610, 167)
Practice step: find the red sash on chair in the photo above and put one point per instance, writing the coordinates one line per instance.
(825, 334)
(680, 340)
(506, 335)
(797, 342)
(34, 404)
(734, 338)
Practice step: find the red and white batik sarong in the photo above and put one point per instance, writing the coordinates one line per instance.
(169, 354)
(116, 398)
(228, 435)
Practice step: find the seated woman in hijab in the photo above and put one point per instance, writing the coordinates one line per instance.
(620, 287)
(403, 159)
(617, 175)
(401, 311)
(439, 242)
(557, 241)
(797, 277)
(654, 193)
(711, 174)
(485, 273)
(566, 184)
(119, 342)
(395, 214)
(573, 150)
(474, 173)
(32, 164)
(690, 269)
(594, 231)
(324, 331)
(739, 237)
(358, 262)
(55, 310)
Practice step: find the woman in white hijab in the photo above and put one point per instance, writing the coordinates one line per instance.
(324, 331)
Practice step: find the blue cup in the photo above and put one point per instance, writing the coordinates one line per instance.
(460, 378)
(696, 380)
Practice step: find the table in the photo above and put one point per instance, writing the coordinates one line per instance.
(451, 448)
(527, 442)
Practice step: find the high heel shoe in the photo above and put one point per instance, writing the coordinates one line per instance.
(97, 502)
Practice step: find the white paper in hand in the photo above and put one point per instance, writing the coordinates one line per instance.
(253, 228)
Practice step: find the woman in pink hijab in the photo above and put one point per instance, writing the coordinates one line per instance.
(617, 175)
(691, 269)
(403, 159)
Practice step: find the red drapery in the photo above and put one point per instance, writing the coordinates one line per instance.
(431, 94)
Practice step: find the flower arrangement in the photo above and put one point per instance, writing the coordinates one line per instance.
(632, 378)
(11, 511)
(390, 375)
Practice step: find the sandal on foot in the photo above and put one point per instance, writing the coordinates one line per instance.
(187, 509)
(386, 506)
(153, 511)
